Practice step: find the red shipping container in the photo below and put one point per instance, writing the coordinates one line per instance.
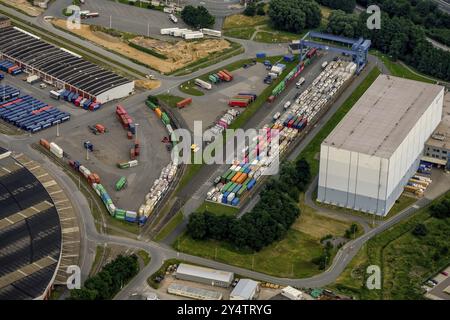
(129, 135)
(228, 73)
(235, 103)
(184, 102)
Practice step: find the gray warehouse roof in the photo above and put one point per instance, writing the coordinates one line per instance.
(202, 272)
(59, 64)
(383, 116)
(245, 289)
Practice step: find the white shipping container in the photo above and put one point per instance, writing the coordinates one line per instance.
(203, 84)
(192, 35)
(210, 32)
(56, 150)
(167, 31)
(133, 163)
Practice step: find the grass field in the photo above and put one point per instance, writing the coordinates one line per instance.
(309, 153)
(145, 256)
(169, 99)
(240, 33)
(289, 257)
(218, 209)
(170, 226)
(399, 70)
(405, 260)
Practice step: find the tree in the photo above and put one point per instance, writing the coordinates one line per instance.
(197, 227)
(250, 10)
(294, 15)
(260, 11)
(197, 17)
(441, 210)
(420, 230)
(344, 5)
(343, 24)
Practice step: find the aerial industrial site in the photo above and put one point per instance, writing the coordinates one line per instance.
(237, 150)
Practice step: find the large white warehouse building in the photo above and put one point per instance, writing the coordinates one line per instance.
(368, 158)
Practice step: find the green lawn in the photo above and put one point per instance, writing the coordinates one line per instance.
(310, 152)
(190, 172)
(189, 87)
(270, 35)
(169, 99)
(240, 33)
(145, 256)
(161, 271)
(398, 70)
(218, 209)
(170, 226)
(290, 257)
(406, 261)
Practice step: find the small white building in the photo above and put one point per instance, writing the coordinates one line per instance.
(246, 289)
(292, 293)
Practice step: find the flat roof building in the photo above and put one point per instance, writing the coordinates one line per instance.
(437, 147)
(371, 154)
(246, 289)
(61, 67)
(204, 275)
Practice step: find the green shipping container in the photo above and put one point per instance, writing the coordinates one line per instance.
(151, 105)
(231, 175)
(241, 191)
(226, 174)
(227, 187)
(123, 165)
(121, 183)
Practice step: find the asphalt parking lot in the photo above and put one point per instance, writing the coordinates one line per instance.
(114, 147)
(437, 292)
(214, 103)
(122, 17)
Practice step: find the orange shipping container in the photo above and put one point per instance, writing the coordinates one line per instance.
(241, 178)
(236, 176)
(44, 143)
(158, 112)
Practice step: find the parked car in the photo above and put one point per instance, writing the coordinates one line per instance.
(445, 273)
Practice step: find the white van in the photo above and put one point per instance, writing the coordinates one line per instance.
(300, 82)
(287, 105)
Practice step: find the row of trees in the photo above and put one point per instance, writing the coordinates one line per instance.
(294, 15)
(108, 282)
(420, 12)
(344, 5)
(269, 220)
(197, 17)
(399, 37)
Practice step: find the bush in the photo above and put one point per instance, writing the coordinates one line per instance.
(108, 282)
(147, 50)
(197, 17)
(420, 230)
(250, 10)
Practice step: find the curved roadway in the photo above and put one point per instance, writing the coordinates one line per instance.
(159, 252)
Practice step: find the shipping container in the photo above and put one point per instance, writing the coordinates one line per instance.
(121, 183)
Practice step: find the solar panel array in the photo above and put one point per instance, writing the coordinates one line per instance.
(29, 240)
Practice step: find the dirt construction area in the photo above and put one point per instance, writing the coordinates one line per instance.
(179, 53)
(211, 106)
(113, 147)
(24, 6)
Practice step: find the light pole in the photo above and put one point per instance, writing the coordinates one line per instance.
(57, 129)
(110, 22)
(136, 132)
(87, 153)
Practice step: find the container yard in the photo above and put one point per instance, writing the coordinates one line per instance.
(28, 113)
(213, 105)
(241, 177)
